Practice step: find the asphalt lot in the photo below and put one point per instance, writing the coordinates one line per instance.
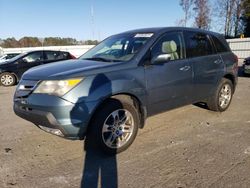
(185, 147)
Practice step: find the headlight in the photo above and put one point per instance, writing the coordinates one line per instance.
(57, 87)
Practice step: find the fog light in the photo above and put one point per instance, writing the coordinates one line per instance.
(51, 130)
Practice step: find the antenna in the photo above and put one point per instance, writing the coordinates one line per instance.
(99, 35)
(92, 21)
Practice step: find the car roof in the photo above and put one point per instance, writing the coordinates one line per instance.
(165, 29)
(44, 51)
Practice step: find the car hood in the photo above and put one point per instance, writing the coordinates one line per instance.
(2, 60)
(67, 69)
(5, 63)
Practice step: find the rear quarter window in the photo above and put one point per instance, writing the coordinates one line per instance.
(220, 46)
(197, 44)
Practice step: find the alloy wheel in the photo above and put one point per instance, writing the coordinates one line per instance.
(225, 96)
(118, 128)
(7, 79)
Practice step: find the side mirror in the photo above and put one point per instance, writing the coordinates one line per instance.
(162, 58)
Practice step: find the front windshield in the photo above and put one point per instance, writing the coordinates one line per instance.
(118, 48)
(2, 57)
(18, 56)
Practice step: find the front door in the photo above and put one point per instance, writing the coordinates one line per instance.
(169, 84)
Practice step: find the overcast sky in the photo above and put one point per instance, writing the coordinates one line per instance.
(73, 18)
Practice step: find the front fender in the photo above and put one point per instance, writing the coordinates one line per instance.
(101, 86)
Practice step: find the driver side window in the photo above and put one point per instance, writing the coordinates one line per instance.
(33, 57)
(170, 43)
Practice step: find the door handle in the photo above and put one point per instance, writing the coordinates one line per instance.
(185, 68)
(218, 61)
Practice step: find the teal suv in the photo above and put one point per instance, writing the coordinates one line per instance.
(108, 93)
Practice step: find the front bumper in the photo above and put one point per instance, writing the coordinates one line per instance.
(55, 115)
(40, 118)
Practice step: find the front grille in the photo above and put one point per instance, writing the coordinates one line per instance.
(25, 87)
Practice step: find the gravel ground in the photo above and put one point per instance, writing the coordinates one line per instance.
(185, 147)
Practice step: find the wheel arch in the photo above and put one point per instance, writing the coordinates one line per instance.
(137, 103)
(123, 96)
(232, 79)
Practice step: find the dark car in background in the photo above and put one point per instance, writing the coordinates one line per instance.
(12, 70)
(108, 93)
(8, 56)
(246, 66)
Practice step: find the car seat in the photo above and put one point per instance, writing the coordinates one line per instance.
(170, 47)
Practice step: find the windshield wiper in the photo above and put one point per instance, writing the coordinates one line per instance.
(101, 59)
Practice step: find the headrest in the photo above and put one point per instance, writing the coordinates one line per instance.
(169, 47)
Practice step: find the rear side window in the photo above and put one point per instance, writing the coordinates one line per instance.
(56, 55)
(197, 44)
(63, 55)
(50, 55)
(220, 47)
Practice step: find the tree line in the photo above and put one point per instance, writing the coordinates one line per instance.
(37, 42)
(232, 17)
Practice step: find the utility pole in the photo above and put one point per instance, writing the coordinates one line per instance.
(41, 39)
(92, 22)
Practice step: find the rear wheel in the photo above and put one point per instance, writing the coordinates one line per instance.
(115, 125)
(222, 97)
(7, 79)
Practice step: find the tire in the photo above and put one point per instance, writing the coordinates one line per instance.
(7, 79)
(114, 126)
(222, 97)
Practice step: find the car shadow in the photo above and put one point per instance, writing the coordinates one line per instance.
(201, 105)
(99, 170)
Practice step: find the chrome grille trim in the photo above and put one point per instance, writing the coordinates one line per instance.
(25, 87)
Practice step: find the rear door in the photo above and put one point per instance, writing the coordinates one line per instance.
(169, 84)
(207, 65)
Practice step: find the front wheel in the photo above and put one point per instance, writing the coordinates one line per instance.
(222, 97)
(115, 125)
(7, 79)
